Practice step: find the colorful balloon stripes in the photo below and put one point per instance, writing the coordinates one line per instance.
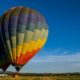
(23, 33)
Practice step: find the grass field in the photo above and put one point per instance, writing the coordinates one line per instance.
(40, 77)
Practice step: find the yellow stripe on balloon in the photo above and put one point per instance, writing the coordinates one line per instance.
(13, 41)
(27, 41)
(14, 53)
(28, 36)
(44, 38)
(25, 47)
(36, 39)
(19, 47)
(9, 49)
(13, 46)
(36, 44)
(31, 45)
(20, 37)
(39, 44)
(42, 43)
(39, 40)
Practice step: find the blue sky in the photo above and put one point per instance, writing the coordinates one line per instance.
(61, 53)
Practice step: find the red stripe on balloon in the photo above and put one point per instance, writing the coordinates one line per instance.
(26, 57)
(33, 53)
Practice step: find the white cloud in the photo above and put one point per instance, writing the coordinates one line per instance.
(54, 63)
(56, 58)
(63, 57)
(47, 61)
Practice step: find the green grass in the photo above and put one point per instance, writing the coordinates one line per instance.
(41, 78)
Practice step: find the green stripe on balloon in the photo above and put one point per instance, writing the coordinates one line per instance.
(21, 28)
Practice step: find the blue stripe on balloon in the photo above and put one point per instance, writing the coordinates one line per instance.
(23, 18)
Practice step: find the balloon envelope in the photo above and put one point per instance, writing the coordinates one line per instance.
(24, 32)
(4, 58)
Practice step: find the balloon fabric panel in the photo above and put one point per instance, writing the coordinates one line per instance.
(24, 32)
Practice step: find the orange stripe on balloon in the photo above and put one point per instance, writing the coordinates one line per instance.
(33, 53)
(24, 58)
(28, 55)
(21, 58)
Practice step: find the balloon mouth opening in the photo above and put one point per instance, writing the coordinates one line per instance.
(17, 67)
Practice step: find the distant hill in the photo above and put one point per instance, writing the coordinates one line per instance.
(40, 74)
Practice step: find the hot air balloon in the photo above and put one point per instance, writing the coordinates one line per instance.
(4, 60)
(24, 32)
